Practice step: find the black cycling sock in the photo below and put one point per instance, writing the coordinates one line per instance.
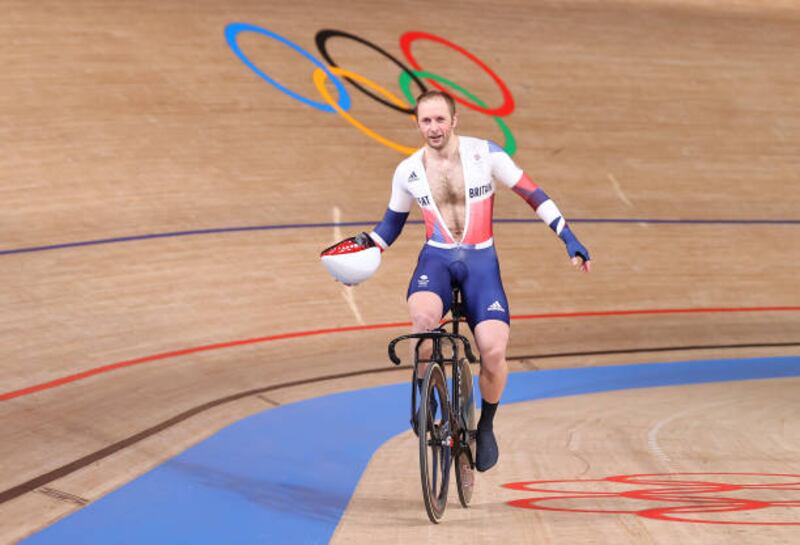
(487, 414)
(487, 452)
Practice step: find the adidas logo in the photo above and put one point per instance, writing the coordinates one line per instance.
(413, 177)
(496, 307)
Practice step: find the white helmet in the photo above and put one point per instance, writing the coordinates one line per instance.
(352, 260)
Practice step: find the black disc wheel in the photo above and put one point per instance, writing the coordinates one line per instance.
(465, 469)
(435, 442)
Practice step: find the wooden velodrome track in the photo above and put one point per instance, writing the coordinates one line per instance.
(130, 119)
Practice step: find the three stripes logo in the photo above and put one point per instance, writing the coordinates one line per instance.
(413, 177)
(495, 307)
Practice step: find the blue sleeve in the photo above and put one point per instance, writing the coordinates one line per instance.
(389, 228)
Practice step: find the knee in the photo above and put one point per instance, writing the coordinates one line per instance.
(423, 321)
(493, 358)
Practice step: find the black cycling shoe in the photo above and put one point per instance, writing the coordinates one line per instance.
(487, 451)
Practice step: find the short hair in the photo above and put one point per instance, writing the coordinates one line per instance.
(433, 93)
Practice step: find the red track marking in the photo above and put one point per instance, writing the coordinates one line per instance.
(682, 497)
(297, 334)
(186, 351)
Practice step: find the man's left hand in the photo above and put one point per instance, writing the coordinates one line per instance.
(582, 265)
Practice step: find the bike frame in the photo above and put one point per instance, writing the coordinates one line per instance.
(438, 337)
(452, 436)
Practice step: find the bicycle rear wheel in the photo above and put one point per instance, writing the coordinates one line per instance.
(465, 472)
(435, 441)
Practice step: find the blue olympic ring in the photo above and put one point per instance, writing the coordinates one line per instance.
(233, 30)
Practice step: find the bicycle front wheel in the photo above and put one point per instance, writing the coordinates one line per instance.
(465, 471)
(435, 442)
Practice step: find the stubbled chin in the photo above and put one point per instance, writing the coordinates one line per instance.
(435, 142)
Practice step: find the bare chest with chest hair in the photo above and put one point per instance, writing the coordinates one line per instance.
(446, 180)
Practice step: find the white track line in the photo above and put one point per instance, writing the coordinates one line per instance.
(347, 292)
(652, 434)
(618, 190)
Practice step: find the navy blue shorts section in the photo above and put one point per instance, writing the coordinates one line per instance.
(477, 272)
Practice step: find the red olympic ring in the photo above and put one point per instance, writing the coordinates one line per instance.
(684, 497)
(508, 101)
(369, 87)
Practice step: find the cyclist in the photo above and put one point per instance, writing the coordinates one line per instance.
(452, 179)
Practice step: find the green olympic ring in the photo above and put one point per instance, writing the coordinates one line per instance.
(342, 105)
(510, 146)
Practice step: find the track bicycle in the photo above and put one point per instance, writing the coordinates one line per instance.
(443, 417)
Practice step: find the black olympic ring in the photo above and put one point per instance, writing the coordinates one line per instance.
(324, 35)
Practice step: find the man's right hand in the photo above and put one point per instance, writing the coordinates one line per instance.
(364, 240)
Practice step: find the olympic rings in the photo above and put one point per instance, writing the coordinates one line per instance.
(233, 30)
(372, 89)
(508, 101)
(319, 81)
(322, 38)
(510, 146)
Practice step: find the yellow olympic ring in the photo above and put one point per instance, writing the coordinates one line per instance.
(319, 80)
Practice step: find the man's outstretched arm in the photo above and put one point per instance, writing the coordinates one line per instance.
(505, 170)
(548, 212)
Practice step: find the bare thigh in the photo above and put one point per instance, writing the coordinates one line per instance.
(425, 309)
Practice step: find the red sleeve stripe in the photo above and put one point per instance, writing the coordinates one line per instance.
(528, 190)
